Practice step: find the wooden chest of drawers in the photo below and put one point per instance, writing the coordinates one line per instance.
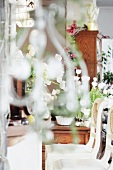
(62, 134)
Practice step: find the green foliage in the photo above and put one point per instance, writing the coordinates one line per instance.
(30, 81)
(62, 111)
(108, 77)
(98, 77)
(59, 108)
(105, 57)
(94, 94)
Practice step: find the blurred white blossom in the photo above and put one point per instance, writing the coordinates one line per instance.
(63, 85)
(76, 78)
(78, 71)
(48, 82)
(105, 91)
(57, 91)
(94, 79)
(110, 91)
(85, 111)
(84, 78)
(54, 92)
(84, 102)
(94, 84)
(55, 68)
(101, 85)
(59, 57)
(59, 79)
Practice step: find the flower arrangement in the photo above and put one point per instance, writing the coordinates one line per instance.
(72, 56)
(72, 50)
(100, 90)
(83, 111)
(96, 91)
(55, 95)
(48, 76)
(54, 81)
(73, 29)
(56, 84)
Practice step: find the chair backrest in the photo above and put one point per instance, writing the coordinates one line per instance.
(96, 126)
(109, 138)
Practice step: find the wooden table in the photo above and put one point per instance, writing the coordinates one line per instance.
(27, 146)
(16, 133)
(62, 134)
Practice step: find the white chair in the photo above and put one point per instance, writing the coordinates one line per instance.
(25, 154)
(92, 164)
(67, 151)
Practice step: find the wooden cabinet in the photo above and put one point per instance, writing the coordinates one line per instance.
(62, 134)
(87, 44)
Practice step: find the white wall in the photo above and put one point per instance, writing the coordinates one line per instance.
(76, 11)
(105, 21)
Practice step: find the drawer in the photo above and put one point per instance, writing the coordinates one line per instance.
(81, 139)
(68, 138)
(63, 138)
